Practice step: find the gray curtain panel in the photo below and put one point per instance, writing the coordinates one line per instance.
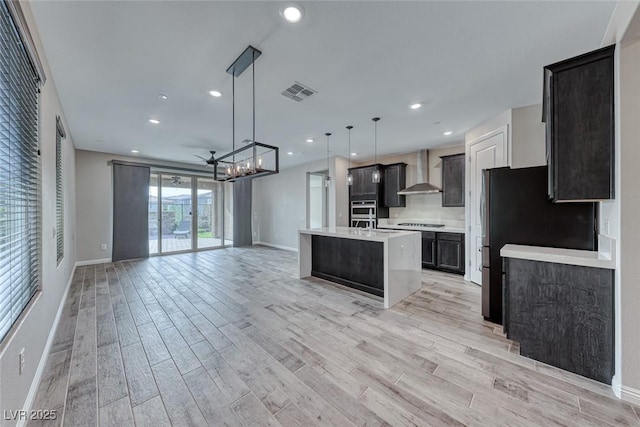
(130, 212)
(242, 213)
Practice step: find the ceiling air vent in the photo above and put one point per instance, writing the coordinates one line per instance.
(298, 92)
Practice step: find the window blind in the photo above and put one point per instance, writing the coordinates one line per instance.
(59, 191)
(19, 176)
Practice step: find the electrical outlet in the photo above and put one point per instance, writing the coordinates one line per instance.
(605, 227)
(103, 247)
(21, 362)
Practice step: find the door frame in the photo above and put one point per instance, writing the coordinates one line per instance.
(470, 197)
(194, 213)
(325, 198)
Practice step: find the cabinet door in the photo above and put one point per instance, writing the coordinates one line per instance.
(369, 188)
(356, 188)
(394, 181)
(428, 253)
(453, 180)
(582, 130)
(449, 255)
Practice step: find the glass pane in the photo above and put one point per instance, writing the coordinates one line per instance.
(176, 213)
(153, 214)
(209, 213)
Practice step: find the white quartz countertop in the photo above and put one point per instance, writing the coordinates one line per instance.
(375, 235)
(559, 256)
(408, 227)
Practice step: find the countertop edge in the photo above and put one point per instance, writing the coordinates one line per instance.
(437, 229)
(345, 233)
(559, 256)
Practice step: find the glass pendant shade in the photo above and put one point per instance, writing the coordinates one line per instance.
(375, 176)
(349, 175)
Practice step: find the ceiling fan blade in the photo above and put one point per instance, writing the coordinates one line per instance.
(200, 157)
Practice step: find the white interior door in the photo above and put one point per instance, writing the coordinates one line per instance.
(487, 152)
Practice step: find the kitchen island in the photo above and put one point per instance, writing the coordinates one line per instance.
(386, 263)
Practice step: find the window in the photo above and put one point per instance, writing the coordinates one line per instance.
(19, 174)
(59, 191)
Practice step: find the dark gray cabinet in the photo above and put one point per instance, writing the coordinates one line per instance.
(358, 264)
(443, 251)
(579, 115)
(453, 180)
(450, 252)
(429, 249)
(363, 186)
(562, 315)
(395, 179)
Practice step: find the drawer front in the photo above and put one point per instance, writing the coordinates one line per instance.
(456, 237)
(428, 234)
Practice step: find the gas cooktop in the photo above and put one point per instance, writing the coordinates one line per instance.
(412, 224)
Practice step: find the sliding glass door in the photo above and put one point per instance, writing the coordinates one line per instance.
(185, 213)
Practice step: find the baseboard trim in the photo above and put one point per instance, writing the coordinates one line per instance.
(93, 262)
(616, 386)
(285, 248)
(35, 384)
(631, 395)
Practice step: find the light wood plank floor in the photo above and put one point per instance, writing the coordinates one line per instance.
(230, 337)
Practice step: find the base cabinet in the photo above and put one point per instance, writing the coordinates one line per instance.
(429, 249)
(562, 315)
(443, 251)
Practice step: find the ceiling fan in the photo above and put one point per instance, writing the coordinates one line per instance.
(211, 160)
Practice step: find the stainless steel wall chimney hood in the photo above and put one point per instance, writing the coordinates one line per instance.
(422, 177)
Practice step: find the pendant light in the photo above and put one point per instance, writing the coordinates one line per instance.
(255, 159)
(349, 174)
(327, 180)
(375, 177)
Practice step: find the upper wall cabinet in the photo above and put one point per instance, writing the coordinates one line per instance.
(579, 115)
(364, 188)
(453, 180)
(395, 179)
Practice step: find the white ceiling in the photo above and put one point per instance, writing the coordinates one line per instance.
(466, 61)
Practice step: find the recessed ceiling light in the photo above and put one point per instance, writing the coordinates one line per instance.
(447, 133)
(290, 153)
(309, 140)
(292, 14)
(134, 151)
(215, 93)
(162, 96)
(415, 106)
(154, 121)
(354, 154)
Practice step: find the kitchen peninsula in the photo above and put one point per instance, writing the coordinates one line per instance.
(386, 263)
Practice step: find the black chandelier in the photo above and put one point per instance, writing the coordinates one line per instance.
(254, 159)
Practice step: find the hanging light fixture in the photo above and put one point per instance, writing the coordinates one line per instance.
(349, 174)
(375, 177)
(327, 179)
(255, 159)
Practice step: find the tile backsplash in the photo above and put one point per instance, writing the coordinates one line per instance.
(427, 208)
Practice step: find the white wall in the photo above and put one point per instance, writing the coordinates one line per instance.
(527, 137)
(94, 197)
(32, 331)
(280, 202)
(628, 194)
(618, 217)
